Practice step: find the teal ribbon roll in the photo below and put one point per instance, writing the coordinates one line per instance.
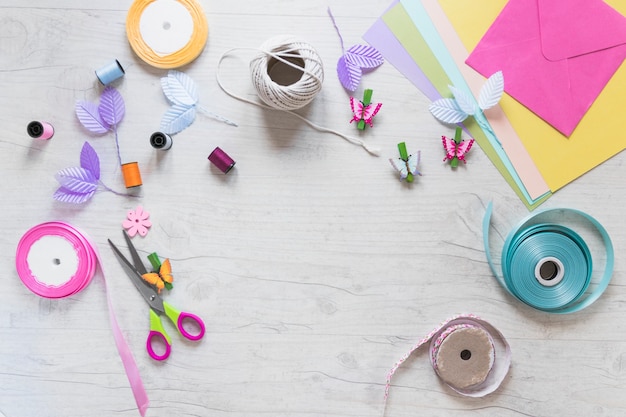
(549, 266)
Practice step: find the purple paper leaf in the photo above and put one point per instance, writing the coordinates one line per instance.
(364, 56)
(77, 180)
(349, 74)
(111, 108)
(89, 160)
(90, 118)
(68, 196)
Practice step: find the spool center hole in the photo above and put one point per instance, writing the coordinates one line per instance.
(466, 354)
(167, 25)
(284, 74)
(56, 261)
(548, 270)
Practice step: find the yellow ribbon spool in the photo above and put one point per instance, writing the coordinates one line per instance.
(190, 51)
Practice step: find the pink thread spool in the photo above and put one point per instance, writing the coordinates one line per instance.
(40, 130)
(221, 160)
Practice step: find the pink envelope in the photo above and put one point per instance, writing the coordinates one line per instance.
(556, 55)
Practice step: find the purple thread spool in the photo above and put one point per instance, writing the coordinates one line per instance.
(221, 160)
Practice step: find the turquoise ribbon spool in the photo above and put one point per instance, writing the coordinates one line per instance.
(549, 266)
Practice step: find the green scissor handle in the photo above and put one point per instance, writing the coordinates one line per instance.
(177, 318)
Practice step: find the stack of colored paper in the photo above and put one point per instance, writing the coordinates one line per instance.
(563, 78)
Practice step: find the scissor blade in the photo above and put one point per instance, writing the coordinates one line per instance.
(141, 268)
(149, 294)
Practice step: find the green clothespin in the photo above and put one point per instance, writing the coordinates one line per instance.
(367, 100)
(404, 155)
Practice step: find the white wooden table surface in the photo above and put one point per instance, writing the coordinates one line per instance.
(312, 265)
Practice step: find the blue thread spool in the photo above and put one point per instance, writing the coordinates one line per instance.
(110, 72)
(161, 141)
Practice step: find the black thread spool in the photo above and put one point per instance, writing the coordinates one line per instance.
(161, 141)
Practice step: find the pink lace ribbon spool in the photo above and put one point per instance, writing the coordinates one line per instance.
(469, 355)
(56, 260)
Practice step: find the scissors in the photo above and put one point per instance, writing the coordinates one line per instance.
(158, 307)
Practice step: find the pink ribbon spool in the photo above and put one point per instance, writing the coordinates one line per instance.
(466, 326)
(56, 260)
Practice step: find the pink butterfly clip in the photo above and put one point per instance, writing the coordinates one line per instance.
(364, 111)
(456, 149)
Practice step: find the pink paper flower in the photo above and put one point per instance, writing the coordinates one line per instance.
(137, 222)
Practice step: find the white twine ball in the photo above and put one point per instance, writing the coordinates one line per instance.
(287, 74)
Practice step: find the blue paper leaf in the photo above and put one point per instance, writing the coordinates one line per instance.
(364, 56)
(177, 118)
(491, 92)
(90, 118)
(349, 74)
(179, 88)
(111, 108)
(89, 160)
(68, 196)
(464, 100)
(447, 110)
(77, 179)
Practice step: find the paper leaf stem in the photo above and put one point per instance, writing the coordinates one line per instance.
(111, 108)
(352, 62)
(89, 116)
(464, 100)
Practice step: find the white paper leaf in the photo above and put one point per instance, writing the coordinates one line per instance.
(447, 110)
(491, 92)
(179, 88)
(177, 118)
(77, 179)
(464, 100)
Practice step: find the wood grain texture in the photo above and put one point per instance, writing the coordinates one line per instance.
(312, 265)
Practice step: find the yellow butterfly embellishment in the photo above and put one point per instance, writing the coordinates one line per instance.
(161, 279)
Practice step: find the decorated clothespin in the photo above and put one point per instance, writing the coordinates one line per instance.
(456, 149)
(161, 277)
(407, 164)
(364, 111)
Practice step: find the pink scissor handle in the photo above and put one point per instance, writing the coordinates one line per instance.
(162, 338)
(197, 322)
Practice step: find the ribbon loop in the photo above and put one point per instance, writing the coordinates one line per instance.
(548, 265)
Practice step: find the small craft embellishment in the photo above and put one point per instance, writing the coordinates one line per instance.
(182, 92)
(352, 62)
(162, 276)
(456, 149)
(463, 105)
(364, 111)
(407, 164)
(79, 184)
(105, 116)
(138, 221)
